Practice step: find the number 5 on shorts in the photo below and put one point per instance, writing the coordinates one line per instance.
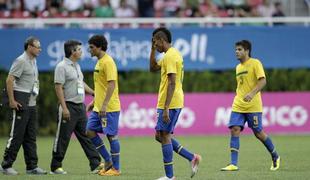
(255, 120)
(104, 122)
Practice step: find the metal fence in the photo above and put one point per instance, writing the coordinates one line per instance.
(91, 23)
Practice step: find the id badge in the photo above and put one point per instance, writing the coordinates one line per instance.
(80, 88)
(35, 89)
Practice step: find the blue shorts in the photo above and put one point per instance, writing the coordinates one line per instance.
(108, 126)
(254, 120)
(168, 127)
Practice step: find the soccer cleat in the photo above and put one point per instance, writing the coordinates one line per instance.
(108, 165)
(110, 172)
(36, 171)
(194, 164)
(166, 178)
(275, 165)
(98, 168)
(230, 167)
(58, 171)
(10, 171)
(1, 169)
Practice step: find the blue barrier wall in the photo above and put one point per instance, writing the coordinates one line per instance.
(203, 48)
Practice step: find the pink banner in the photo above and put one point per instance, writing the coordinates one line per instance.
(208, 113)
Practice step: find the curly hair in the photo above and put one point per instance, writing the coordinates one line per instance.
(164, 30)
(99, 41)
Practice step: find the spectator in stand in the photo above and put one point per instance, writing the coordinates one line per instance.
(33, 6)
(3, 5)
(125, 10)
(254, 3)
(265, 9)
(240, 12)
(104, 9)
(53, 9)
(278, 10)
(158, 7)
(14, 5)
(253, 12)
(219, 3)
(196, 13)
(307, 2)
(192, 3)
(73, 9)
(117, 3)
(235, 3)
(55, 3)
(236, 8)
(73, 5)
(146, 8)
(168, 7)
(91, 4)
(208, 8)
(188, 11)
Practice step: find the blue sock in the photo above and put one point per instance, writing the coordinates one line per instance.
(234, 149)
(167, 151)
(270, 147)
(181, 150)
(115, 152)
(97, 141)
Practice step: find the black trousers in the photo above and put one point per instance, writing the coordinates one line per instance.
(23, 133)
(77, 124)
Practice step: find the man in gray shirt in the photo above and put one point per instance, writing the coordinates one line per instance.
(70, 89)
(22, 86)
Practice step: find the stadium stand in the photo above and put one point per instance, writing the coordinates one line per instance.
(151, 8)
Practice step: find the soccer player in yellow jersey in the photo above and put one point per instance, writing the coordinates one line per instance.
(247, 105)
(104, 117)
(170, 100)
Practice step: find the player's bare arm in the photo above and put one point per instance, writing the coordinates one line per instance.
(88, 90)
(90, 106)
(259, 86)
(170, 91)
(110, 90)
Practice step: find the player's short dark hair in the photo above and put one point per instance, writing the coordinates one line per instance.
(99, 41)
(29, 42)
(161, 35)
(164, 30)
(246, 45)
(70, 46)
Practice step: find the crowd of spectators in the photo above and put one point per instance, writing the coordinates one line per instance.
(139, 8)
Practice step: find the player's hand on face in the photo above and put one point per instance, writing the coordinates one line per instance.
(153, 44)
(103, 111)
(66, 114)
(166, 116)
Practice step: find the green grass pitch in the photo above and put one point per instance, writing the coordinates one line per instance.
(141, 158)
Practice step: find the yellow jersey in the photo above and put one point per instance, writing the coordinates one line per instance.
(105, 70)
(172, 62)
(247, 75)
